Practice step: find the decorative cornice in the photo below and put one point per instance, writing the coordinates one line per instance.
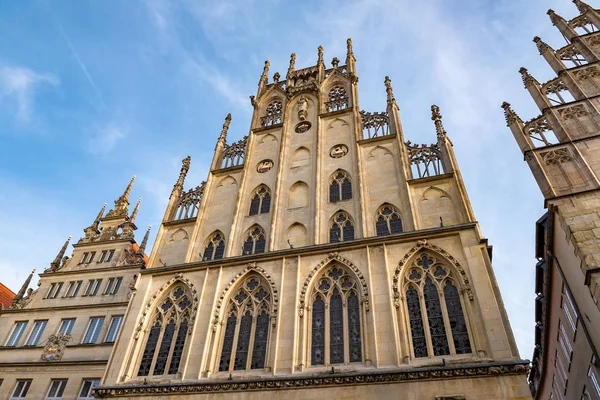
(53, 309)
(326, 380)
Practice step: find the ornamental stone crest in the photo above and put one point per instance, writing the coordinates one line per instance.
(55, 347)
(558, 156)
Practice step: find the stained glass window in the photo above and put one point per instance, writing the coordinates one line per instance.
(430, 275)
(340, 187)
(341, 228)
(388, 221)
(335, 292)
(456, 317)
(214, 248)
(253, 297)
(255, 241)
(261, 201)
(171, 335)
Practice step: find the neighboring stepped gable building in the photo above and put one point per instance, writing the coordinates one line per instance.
(325, 256)
(562, 148)
(57, 339)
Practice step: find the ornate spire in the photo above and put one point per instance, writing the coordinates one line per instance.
(55, 265)
(390, 92)
(320, 56)
(292, 66)
(142, 248)
(436, 117)
(135, 211)
(96, 222)
(528, 79)
(23, 289)
(509, 114)
(582, 7)
(349, 52)
(185, 167)
(554, 17)
(541, 45)
(225, 129)
(122, 202)
(265, 74)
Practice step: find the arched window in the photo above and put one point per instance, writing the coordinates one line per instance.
(388, 220)
(338, 99)
(215, 247)
(335, 319)
(167, 336)
(246, 336)
(261, 201)
(255, 241)
(340, 187)
(273, 114)
(341, 228)
(437, 326)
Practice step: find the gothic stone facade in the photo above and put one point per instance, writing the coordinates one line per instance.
(562, 148)
(324, 256)
(57, 339)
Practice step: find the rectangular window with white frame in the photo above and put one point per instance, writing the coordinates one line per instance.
(113, 329)
(50, 290)
(54, 290)
(56, 390)
(70, 289)
(595, 381)
(36, 332)
(66, 326)
(103, 256)
(92, 287)
(92, 256)
(111, 254)
(16, 334)
(84, 258)
(21, 389)
(93, 330)
(97, 287)
(85, 393)
(112, 286)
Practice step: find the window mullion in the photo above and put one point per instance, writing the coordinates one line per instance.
(251, 342)
(309, 333)
(239, 316)
(345, 327)
(157, 349)
(425, 320)
(327, 328)
(447, 328)
(173, 342)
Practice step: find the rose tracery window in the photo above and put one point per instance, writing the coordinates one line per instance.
(247, 327)
(340, 187)
(388, 221)
(167, 336)
(338, 99)
(261, 201)
(215, 248)
(437, 322)
(335, 319)
(255, 241)
(341, 229)
(273, 114)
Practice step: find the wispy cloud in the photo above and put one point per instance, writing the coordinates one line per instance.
(105, 139)
(18, 84)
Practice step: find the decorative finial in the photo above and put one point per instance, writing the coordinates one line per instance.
(527, 78)
(581, 6)
(320, 58)
(335, 62)
(135, 211)
(292, 66)
(265, 73)
(96, 222)
(185, 167)
(436, 117)
(390, 93)
(509, 114)
(554, 17)
(122, 202)
(23, 289)
(55, 265)
(225, 129)
(541, 45)
(142, 248)
(349, 47)
(276, 77)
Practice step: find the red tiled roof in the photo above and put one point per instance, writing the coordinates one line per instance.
(136, 247)
(6, 296)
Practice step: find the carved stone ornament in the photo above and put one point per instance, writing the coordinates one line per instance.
(264, 166)
(303, 127)
(338, 151)
(302, 108)
(55, 347)
(558, 156)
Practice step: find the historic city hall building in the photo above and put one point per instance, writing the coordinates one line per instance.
(562, 148)
(324, 256)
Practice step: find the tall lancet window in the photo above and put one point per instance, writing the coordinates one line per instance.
(437, 323)
(247, 321)
(166, 338)
(388, 220)
(341, 229)
(335, 318)
(255, 241)
(261, 201)
(340, 187)
(215, 247)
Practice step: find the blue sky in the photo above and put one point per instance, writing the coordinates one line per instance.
(93, 92)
